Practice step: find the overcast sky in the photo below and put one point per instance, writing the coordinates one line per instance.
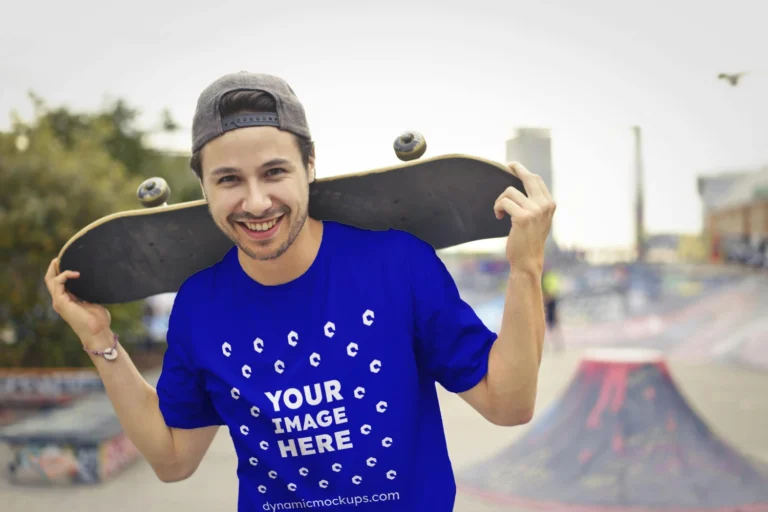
(463, 73)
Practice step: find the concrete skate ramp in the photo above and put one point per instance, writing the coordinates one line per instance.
(83, 443)
(728, 327)
(621, 437)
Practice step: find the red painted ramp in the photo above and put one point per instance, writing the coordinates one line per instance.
(621, 437)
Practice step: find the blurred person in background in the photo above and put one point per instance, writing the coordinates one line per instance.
(550, 285)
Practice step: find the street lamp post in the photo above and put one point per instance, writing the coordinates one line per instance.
(639, 196)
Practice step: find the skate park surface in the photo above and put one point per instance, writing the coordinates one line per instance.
(714, 345)
(731, 400)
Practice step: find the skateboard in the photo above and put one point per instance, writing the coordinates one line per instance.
(131, 255)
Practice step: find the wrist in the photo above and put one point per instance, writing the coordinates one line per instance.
(528, 271)
(109, 352)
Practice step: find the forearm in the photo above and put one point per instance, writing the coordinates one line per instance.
(136, 405)
(513, 365)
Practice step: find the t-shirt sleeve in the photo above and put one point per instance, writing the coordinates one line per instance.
(184, 403)
(452, 342)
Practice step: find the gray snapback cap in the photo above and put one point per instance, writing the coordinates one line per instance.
(208, 123)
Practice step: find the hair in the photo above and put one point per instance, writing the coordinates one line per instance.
(240, 102)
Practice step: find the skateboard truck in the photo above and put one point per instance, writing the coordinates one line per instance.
(153, 192)
(410, 145)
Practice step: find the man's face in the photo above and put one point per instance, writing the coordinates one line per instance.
(257, 189)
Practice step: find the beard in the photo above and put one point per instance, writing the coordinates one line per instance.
(293, 225)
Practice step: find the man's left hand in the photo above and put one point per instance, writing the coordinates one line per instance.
(531, 219)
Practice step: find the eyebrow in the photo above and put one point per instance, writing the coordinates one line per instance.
(223, 170)
(230, 170)
(276, 161)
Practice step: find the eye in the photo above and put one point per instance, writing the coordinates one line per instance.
(276, 171)
(226, 179)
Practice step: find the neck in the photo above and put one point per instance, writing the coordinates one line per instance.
(292, 264)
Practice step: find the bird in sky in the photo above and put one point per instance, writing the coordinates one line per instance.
(732, 78)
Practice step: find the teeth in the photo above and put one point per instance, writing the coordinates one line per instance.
(261, 226)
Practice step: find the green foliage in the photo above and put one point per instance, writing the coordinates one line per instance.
(58, 173)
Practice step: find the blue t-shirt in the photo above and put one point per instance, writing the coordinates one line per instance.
(328, 383)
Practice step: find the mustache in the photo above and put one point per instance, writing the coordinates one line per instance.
(265, 216)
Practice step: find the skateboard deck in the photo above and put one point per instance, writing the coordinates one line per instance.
(131, 255)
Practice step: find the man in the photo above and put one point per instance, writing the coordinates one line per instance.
(317, 344)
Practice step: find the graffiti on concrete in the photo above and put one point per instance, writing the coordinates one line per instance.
(82, 443)
(116, 454)
(54, 463)
(68, 463)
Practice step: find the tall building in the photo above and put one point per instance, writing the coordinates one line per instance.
(532, 147)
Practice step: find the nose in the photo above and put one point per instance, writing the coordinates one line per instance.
(257, 200)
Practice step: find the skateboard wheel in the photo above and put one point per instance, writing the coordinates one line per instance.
(153, 192)
(410, 146)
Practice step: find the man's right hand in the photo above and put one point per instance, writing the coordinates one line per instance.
(89, 321)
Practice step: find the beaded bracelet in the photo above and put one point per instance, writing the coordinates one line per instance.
(110, 354)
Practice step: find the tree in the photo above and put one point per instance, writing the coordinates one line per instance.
(59, 172)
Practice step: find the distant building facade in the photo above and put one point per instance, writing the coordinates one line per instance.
(532, 147)
(735, 214)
